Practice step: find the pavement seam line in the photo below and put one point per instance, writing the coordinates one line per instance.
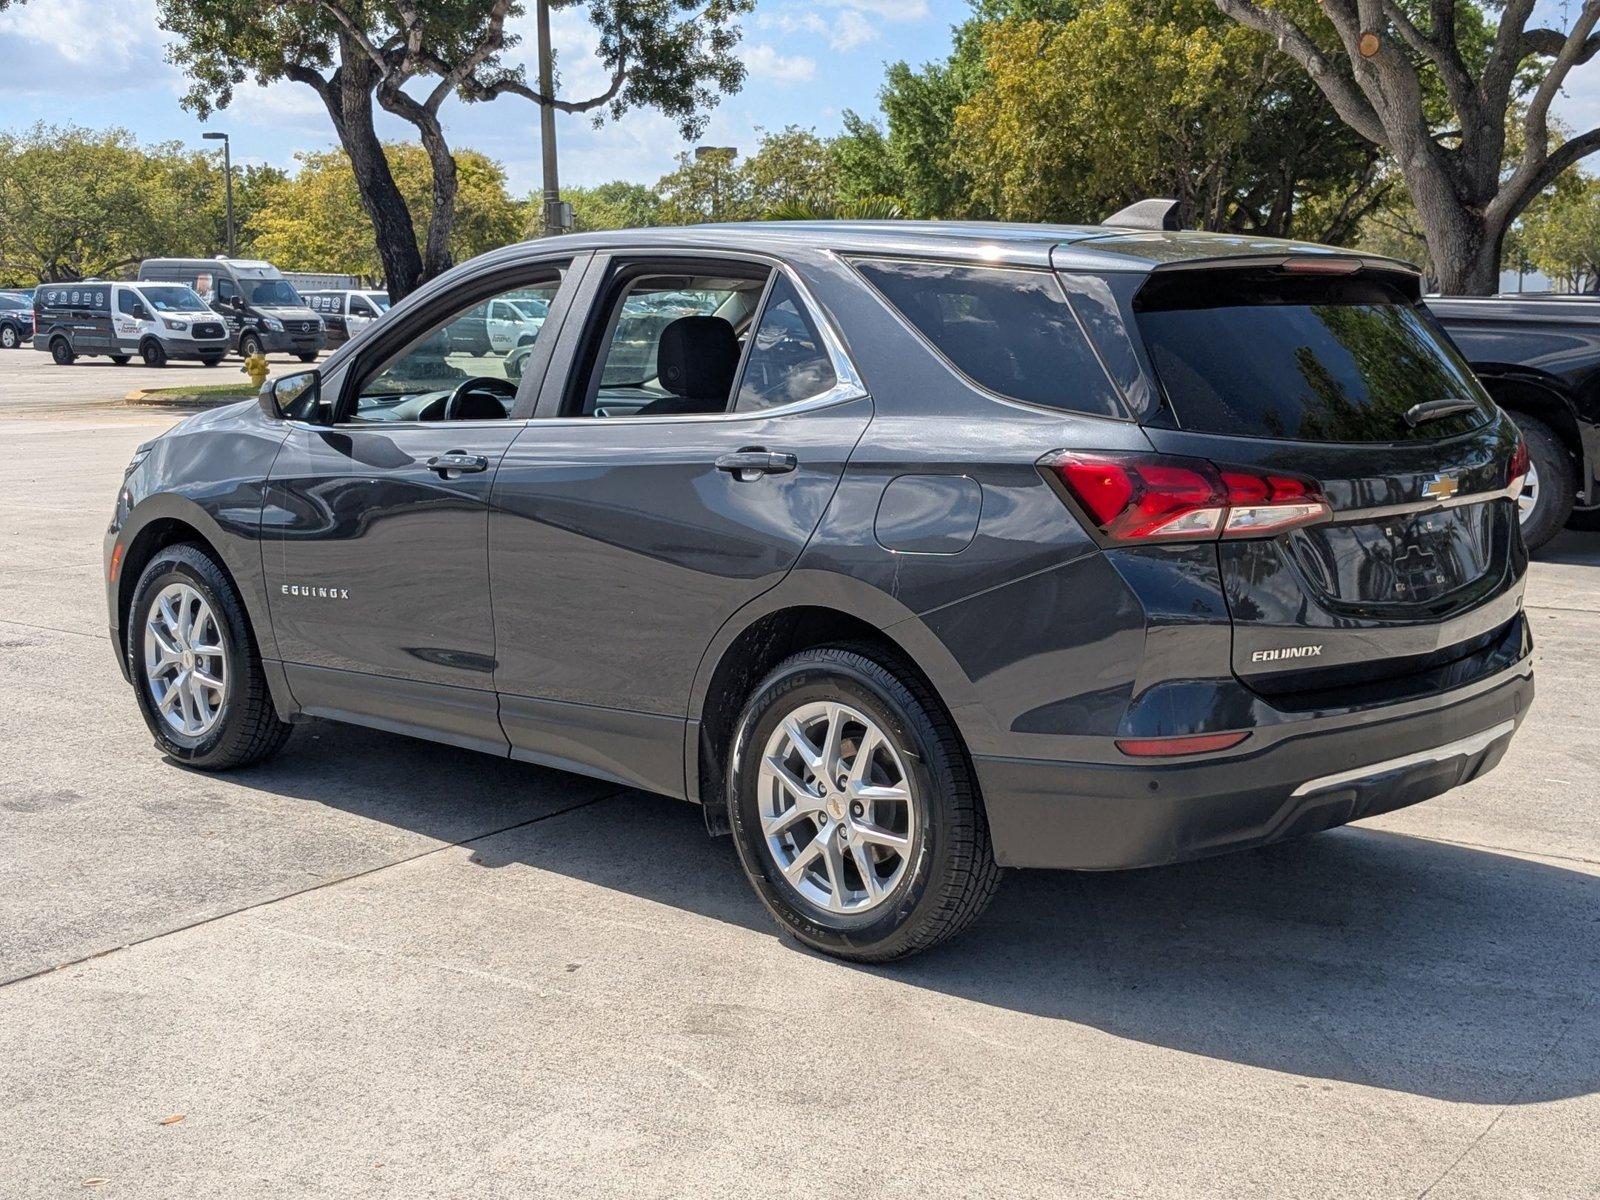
(84, 633)
(315, 887)
(1506, 1107)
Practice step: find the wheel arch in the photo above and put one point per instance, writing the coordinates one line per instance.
(782, 623)
(1543, 396)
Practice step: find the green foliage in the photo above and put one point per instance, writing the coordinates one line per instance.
(314, 221)
(860, 208)
(1561, 233)
(615, 205)
(76, 203)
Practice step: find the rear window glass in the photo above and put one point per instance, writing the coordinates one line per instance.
(1010, 331)
(1317, 360)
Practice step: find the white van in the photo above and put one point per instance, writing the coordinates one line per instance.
(156, 321)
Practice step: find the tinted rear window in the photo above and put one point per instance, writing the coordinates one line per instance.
(1009, 331)
(1318, 360)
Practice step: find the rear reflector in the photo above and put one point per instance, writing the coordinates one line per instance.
(1152, 497)
(1519, 465)
(1171, 747)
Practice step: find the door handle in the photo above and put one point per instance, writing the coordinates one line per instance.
(458, 463)
(753, 461)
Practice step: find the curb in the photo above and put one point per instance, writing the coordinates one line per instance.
(145, 397)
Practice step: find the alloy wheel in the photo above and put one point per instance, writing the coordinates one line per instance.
(1528, 498)
(185, 661)
(8, 337)
(837, 812)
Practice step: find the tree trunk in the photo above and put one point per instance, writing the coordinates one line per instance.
(1464, 249)
(349, 100)
(436, 255)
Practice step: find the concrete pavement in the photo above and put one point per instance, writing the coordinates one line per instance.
(379, 967)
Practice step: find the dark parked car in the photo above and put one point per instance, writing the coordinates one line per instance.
(1539, 357)
(909, 552)
(16, 320)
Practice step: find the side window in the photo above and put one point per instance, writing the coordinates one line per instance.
(787, 360)
(671, 345)
(423, 381)
(226, 291)
(1008, 330)
(125, 301)
(360, 308)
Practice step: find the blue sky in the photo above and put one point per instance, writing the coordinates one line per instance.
(101, 62)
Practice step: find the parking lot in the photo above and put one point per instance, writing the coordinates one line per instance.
(379, 966)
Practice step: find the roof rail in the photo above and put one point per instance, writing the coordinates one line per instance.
(1146, 214)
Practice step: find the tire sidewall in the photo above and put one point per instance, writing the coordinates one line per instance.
(802, 683)
(1557, 482)
(61, 351)
(250, 344)
(183, 565)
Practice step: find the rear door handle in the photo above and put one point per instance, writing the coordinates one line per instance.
(753, 461)
(457, 463)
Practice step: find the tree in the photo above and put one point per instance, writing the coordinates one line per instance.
(315, 220)
(1561, 233)
(1134, 98)
(76, 203)
(350, 53)
(615, 205)
(1384, 66)
(705, 186)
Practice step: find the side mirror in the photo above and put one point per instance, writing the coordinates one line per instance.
(298, 396)
(236, 303)
(140, 311)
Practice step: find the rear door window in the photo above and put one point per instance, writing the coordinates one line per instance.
(1310, 359)
(1008, 330)
(787, 361)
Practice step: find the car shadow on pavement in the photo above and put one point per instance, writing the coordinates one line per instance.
(1357, 955)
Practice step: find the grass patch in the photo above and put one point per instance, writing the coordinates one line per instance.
(242, 391)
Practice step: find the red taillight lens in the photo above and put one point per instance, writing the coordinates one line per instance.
(1171, 747)
(1519, 463)
(1152, 497)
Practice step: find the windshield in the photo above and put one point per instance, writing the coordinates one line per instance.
(1315, 360)
(175, 298)
(272, 293)
(378, 300)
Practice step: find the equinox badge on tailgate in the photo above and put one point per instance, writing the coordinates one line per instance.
(1287, 652)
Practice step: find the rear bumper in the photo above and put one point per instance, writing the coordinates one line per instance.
(1309, 776)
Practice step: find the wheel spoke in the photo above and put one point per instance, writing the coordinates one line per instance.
(830, 743)
(833, 863)
(797, 736)
(874, 794)
(167, 697)
(790, 781)
(879, 836)
(862, 763)
(808, 855)
(869, 877)
(201, 679)
(774, 826)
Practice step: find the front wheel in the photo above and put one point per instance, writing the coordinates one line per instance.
(854, 810)
(307, 357)
(10, 339)
(249, 344)
(210, 360)
(1551, 485)
(153, 353)
(194, 665)
(121, 359)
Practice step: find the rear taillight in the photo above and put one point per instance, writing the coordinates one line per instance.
(1519, 465)
(1153, 497)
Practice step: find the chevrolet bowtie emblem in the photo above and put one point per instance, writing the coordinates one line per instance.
(1441, 487)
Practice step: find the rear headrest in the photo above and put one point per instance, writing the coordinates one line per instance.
(697, 357)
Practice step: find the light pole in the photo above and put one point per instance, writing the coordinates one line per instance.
(227, 170)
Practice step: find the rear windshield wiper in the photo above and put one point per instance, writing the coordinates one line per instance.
(1433, 410)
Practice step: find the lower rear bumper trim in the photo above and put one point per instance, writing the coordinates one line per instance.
(1456, 749)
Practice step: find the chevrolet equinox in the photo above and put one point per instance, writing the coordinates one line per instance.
(909, 552)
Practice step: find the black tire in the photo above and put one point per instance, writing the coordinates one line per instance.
(121, 359)
(307, 357)
(1558, 481)
(10, 338)
(1586, 519)
(247, 729)
(950, 874)
(250, 344)
(152, 353)
(210, 360)
(61, 350)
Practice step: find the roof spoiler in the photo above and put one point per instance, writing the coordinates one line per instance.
(1146, 214)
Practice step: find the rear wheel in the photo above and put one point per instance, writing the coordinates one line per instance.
(210, 360)
(854, 810)
(1586, 519)
(153, 353)
(195, 667)
(61, 350)
(121, 359)
(306, 357)
(250, 344)
(1551, 485)
(10, 339)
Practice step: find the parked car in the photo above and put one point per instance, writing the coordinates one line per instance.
(264, 313)
(922, 550)
(1539, 357)
(156, 321)
(16, 320)
(346, 312)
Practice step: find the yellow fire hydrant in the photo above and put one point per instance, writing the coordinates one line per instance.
(256, 367)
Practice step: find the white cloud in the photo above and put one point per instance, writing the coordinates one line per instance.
(763, 62)
(42, 44)
(849, 30)
(852, 30)
(889, 10)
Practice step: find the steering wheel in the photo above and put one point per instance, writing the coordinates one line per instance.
(477, 383)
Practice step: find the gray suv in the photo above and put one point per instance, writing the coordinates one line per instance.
(909, 552)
